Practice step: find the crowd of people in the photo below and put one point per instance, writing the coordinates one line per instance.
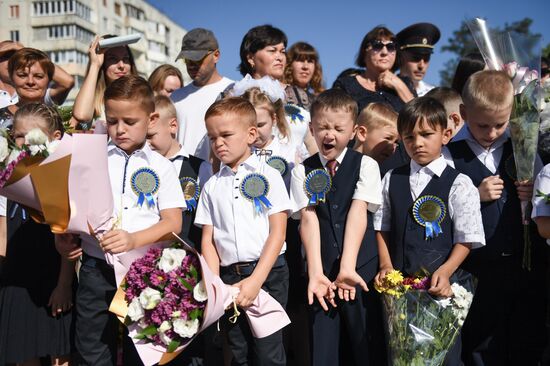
(311, 193)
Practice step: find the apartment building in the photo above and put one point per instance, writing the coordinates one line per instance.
(64, 29)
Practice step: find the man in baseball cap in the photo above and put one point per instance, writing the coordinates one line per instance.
(416, 44)
(197, 43)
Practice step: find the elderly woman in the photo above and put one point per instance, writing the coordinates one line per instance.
(263, 53)
(377, 83)
(303, 75)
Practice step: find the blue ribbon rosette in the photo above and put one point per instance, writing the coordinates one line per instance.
(429, 211)
(316, 185)
(191, 192)
(279, 163)
(294, 112)
(255, 187)
(145, 183)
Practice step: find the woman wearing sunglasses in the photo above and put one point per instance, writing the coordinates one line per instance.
(377, 82)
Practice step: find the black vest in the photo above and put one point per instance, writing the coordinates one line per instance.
(409, 249)
(333, 214)
(190, 233)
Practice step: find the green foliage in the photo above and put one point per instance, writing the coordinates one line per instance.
(461, 43)
(546, 51)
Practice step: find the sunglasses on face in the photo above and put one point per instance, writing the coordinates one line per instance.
(417, 57)
(377, 46)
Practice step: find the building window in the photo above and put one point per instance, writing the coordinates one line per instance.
(14, 35)
(60, 7)
(68, 56)
(117, 9)
(134, 12)
(14, 11)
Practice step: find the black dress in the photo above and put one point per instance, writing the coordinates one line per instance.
(364, 97)
(27, 328)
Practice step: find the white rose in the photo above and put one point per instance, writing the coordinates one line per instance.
(14, 155)
(164, 338)
(149, 298)
(4, 150)
(164, 326)
(199, 292)
(52, 146)
(186, 328)
(36, 137)
(171, 259)
(135, 310)
(35, 149)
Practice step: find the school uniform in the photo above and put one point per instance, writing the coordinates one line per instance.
(239, 236)
(356, 177)
(190, 167)
(500, 328)
(96, 328)
(277, 149)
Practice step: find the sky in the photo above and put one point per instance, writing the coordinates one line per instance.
(336, 27)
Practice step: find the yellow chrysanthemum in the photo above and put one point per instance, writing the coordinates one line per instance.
(394, 277)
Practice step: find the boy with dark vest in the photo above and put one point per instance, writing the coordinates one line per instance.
(410, 194)
(505, 325)
(332, 192)
(192, 171)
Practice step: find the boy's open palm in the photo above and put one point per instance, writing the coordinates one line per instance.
(490, 188)
(322, 288)
(346, 283)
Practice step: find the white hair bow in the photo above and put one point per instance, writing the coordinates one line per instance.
(269, 86)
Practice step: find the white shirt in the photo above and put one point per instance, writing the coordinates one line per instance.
(3, 206)
(490, 157)
(423, 88)
(298, 130)
(132, 217)
(191, 104)
(368, 187)
(542, 184)
(463, 206)
(285, 151)
(239, 233)
(205, 169)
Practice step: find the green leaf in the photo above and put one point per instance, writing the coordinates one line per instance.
(195, 314)
(172, 346)
(194, 272)
(186, 284)
(149, 331)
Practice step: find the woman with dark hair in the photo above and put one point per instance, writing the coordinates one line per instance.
(303, 74)
(377, 83)
(165, 79)
(263, 53)
(104, 66)
(469, 64)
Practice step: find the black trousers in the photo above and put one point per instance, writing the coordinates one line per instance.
(96, 328)
(245, 349)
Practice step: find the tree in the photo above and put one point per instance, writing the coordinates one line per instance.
(462, 43)
(546, 51)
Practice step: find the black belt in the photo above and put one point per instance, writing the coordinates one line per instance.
(246, 268)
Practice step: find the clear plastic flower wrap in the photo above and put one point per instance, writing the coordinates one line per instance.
(420, 328)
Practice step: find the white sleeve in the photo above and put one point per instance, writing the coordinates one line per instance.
(298, 197)
(542, 186)
(277, 195)
(170, 194)
(369, 186)
(3, 206)
(382, 217)
(465, 212)
(203, 215)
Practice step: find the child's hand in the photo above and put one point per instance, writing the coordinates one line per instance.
(346, 282)
(381, 274)
(68, 246)
(491, 188)
(249, 290)
(61, 299)
(441, 286)
(117, 241)
(525, 190)
(322, 288)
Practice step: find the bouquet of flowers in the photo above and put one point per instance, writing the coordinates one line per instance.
(520, 57)
(420, 328)
(63, 183)
(170, 295)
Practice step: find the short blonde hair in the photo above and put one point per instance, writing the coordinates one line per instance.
(449, 97)
(164, 105)
(236, 106)
(377, 115)
(489, 90)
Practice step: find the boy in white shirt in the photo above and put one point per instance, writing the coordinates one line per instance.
(243, 211)
(148, 201)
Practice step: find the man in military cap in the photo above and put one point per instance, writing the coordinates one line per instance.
(416, 43)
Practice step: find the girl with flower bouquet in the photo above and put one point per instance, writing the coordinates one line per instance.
(36, 294)
(429, 219)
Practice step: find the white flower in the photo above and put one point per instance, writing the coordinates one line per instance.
(36, 137)
(186, 328)
(35, 149)
(14, 155)
(444, 302)
(164, 326)
(171, 259)
(176, 314)
(135, 310)
(199, 292)
(52, 146)
(511, 69)
(164, 338)
(149, 298)
(4, 150)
